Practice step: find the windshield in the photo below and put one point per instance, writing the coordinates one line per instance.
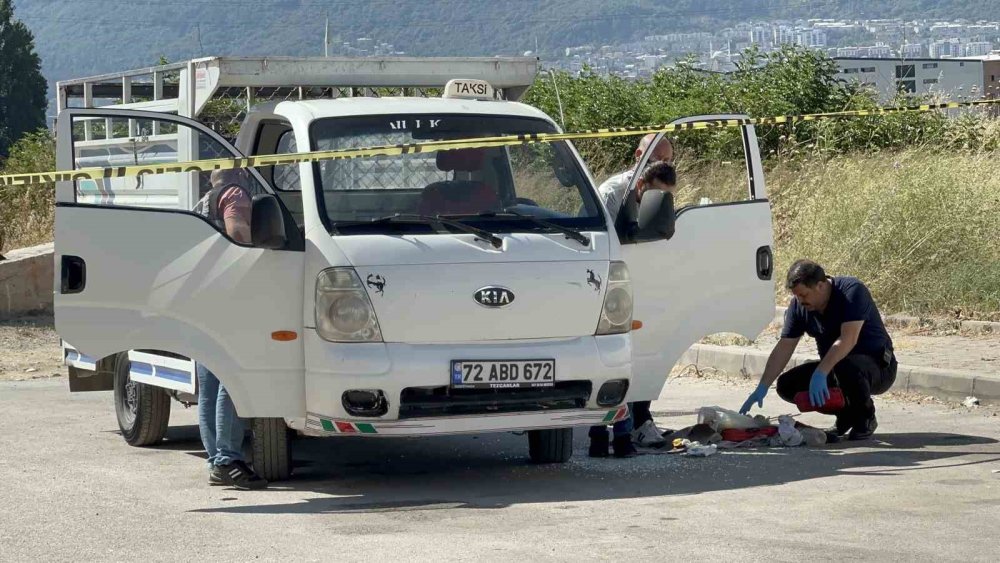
(489, 188)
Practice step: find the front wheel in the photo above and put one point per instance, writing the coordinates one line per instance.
(272, 448)
(143, 411)
(550, 446)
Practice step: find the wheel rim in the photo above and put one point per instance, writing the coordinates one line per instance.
(131, 397)
(130, 402)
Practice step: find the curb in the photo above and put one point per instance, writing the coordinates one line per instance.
(903, 321)
(939, 383)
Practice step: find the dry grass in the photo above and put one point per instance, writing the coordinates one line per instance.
(921, 228)
(27, 216)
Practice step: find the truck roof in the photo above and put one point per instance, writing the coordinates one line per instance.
(309, 110)
(186, 87)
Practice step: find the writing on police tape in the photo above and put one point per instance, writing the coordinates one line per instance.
(434, 146)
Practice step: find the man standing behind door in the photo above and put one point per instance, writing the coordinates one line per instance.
(228, 206)
(643, 430)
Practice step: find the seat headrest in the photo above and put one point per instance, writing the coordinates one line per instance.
(463, 160)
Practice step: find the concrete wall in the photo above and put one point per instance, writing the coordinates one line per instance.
(26, 281)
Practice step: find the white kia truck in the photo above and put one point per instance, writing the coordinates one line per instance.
(427, 293)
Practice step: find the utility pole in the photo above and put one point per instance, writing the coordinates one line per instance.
(326, 37)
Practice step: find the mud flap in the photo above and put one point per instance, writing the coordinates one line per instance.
(85, 373)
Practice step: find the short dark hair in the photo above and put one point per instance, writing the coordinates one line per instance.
(804, 272)
(662, 171)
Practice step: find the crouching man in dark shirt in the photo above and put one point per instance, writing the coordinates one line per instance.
(855, 349)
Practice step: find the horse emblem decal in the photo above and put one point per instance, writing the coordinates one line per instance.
(377, 283)
(594, 280)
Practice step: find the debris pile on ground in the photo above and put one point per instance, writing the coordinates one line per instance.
(721, 429)
(971, 402)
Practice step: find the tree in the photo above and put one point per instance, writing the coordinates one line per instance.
(22, 87)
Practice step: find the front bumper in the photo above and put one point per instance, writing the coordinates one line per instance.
(319, 425)
(399, 369)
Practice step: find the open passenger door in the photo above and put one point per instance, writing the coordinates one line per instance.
(137, 269)
(714, 275)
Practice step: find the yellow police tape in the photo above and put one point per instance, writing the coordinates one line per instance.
(433, 146)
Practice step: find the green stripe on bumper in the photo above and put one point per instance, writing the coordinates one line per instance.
(366, 428)
(327, 425)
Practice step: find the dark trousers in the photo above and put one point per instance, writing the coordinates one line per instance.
(638, 413)
(859, 377)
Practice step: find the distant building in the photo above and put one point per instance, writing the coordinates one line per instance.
(945, 48)
(878, 50)
(812, 38)
(977, 48)
(761, 35)
(911, 50)
(947, 30)
(781, 35)
(952, 79)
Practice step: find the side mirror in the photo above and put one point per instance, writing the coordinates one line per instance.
(267, 224)
(655, 218)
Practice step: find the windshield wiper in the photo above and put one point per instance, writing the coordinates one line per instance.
(507, 214)
(480, 234)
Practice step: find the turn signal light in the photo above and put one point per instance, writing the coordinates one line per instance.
(636, 325)
(284, 335)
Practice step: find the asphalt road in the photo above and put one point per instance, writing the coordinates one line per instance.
(71, 489)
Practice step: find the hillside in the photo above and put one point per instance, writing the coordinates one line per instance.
(83, 37)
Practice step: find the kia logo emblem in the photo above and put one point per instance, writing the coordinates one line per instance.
(493, 296)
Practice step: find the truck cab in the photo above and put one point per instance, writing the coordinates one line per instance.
(418, 293)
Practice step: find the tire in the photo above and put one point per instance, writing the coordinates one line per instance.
(143, 411)
(271, 444)
(550, 446)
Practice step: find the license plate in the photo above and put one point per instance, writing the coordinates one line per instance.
(502, 374)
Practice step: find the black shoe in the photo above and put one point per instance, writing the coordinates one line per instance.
(216, 477)
(599, 444)
(239, 475)
(841, 427)
(622, 445)
(863, 430)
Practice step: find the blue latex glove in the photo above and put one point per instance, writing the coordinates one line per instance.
(756, 397)
(818, 390)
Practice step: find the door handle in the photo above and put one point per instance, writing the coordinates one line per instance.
(74, 275)
(765, 263)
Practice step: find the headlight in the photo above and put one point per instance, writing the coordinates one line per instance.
(616, 315)
(343, 311)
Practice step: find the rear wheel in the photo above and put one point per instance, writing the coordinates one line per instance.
(143, 411)
(550, 446)
(272, 448)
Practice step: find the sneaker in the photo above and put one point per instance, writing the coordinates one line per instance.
(648, 435)
(599, 444)
(622, 446)
(841, 427)
(216, 477)
(239, 475)
(864, 430)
